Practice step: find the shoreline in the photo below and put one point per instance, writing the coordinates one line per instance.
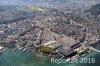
(35, 56)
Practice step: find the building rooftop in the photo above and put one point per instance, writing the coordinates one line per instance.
(66, 52)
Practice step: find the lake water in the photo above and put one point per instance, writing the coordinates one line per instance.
(20, 58)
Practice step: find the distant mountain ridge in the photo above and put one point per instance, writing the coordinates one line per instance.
(47, 1)
(94, 10)
(73, 4)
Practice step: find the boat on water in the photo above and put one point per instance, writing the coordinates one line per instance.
(40, 55)
(83, 55)
(20, 48)
(24, 50)
(68, 60)
(2, 49)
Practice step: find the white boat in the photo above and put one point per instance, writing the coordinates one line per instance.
(24, 50)
(2, 49)
(68, 60)
(20, 48)
(83, 55)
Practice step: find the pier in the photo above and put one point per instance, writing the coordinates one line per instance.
(91, 48)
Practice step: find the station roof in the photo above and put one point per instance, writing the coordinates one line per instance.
(66, 51)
